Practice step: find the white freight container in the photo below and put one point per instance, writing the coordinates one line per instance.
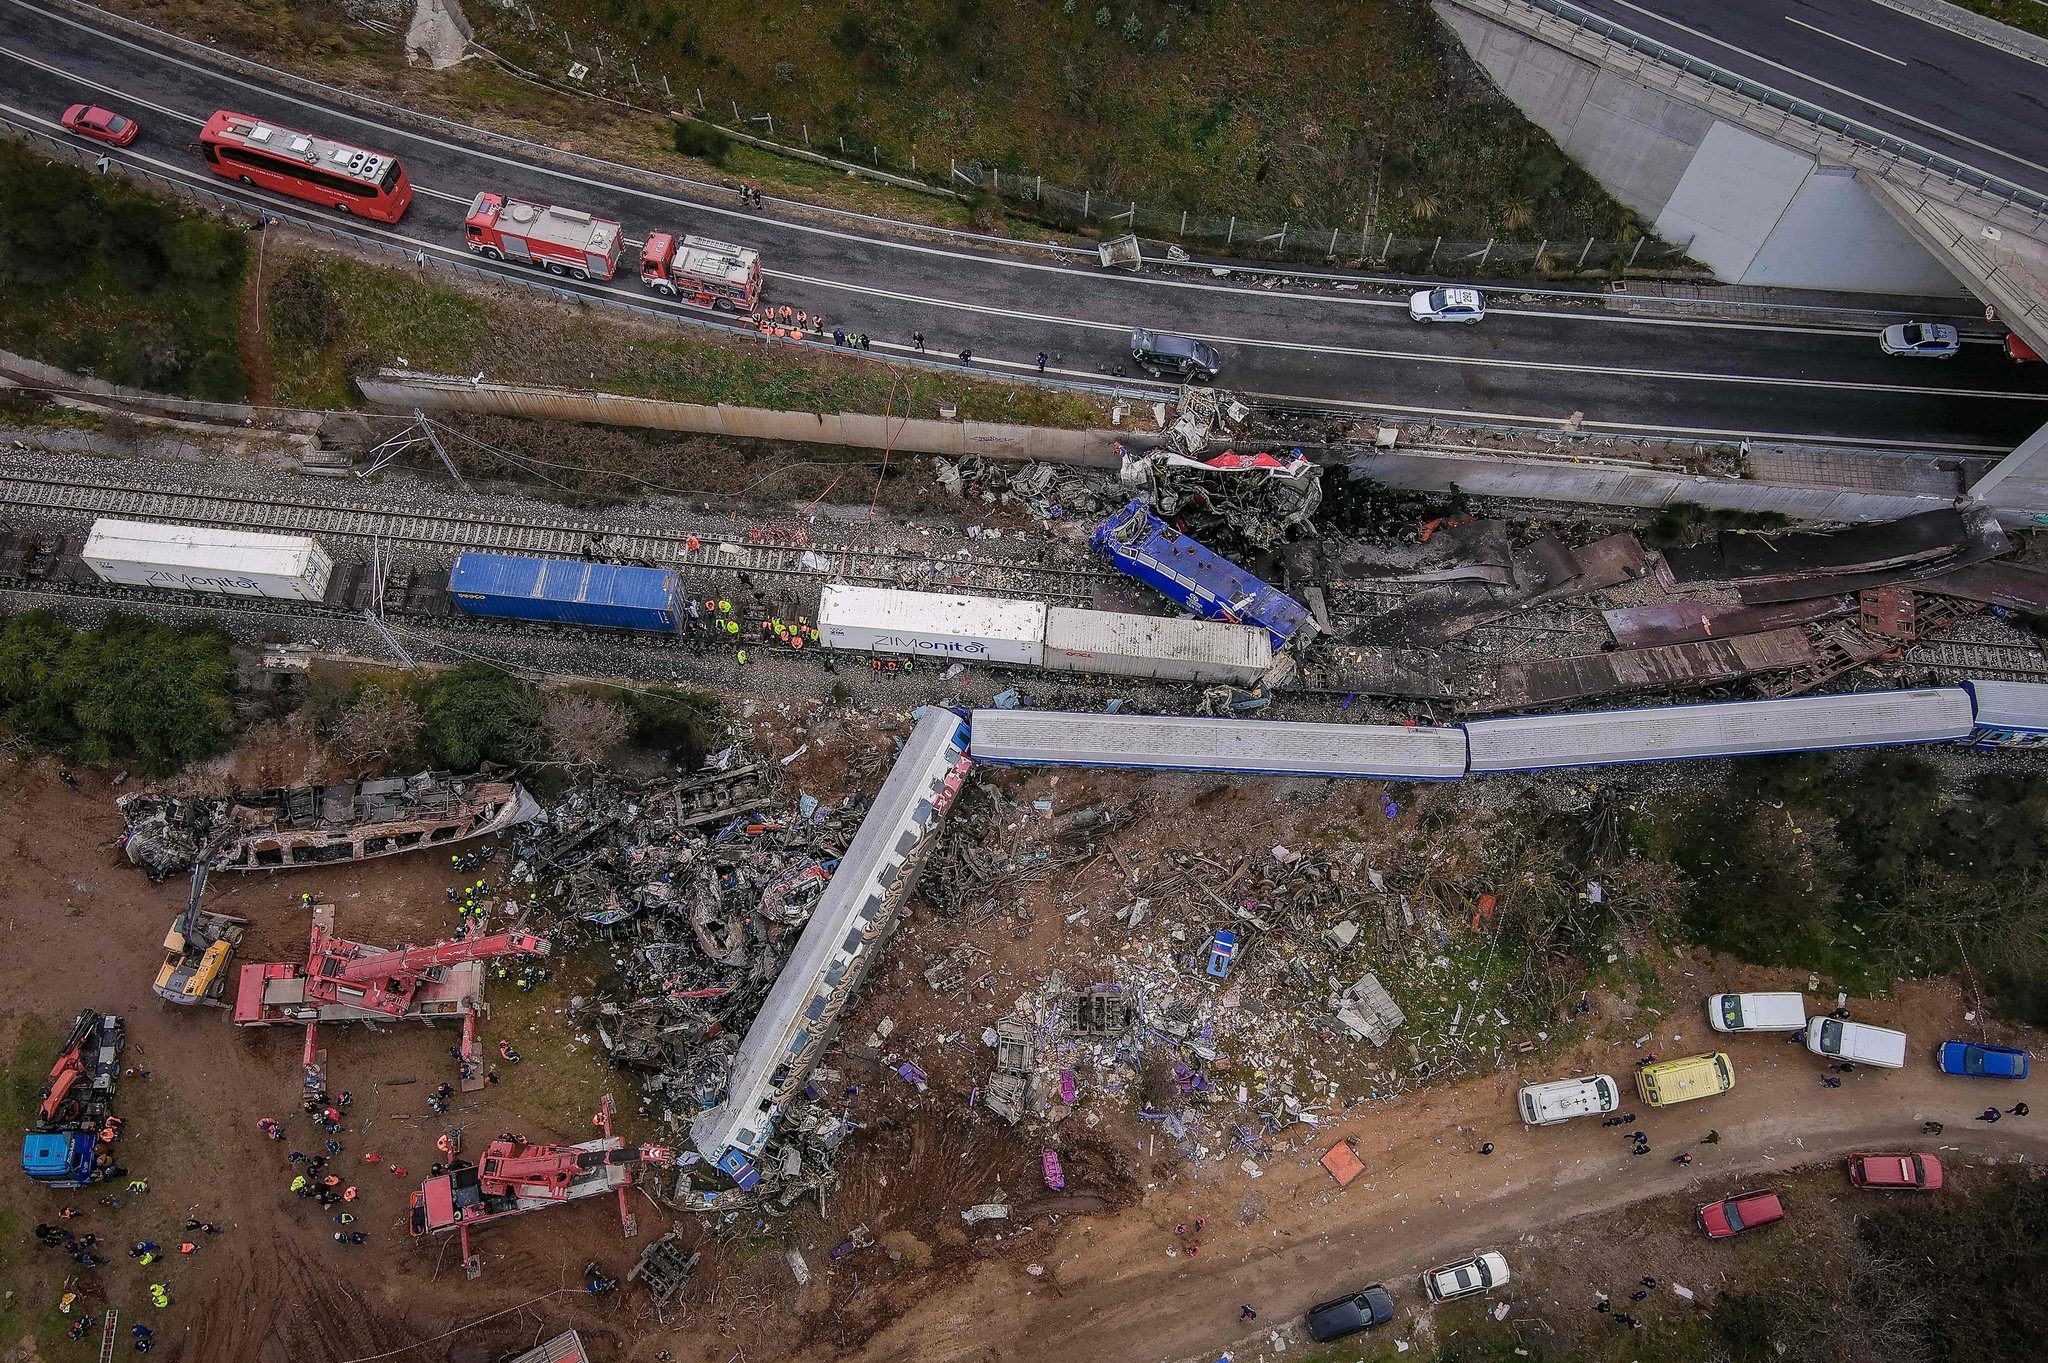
(1155, 646)
(200, 558)
(968, 629)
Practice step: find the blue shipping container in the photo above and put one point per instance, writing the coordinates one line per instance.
(565, 591)
(1189, 575)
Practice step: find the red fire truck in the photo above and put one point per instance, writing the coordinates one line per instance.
(561, 241)
(711, 274)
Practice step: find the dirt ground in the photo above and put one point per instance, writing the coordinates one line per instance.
(1083, 1274)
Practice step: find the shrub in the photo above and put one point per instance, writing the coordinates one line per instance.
(304, 312)
(477, 714)
(130, 690)
(219, 377)
(702, 140)
(676, 720)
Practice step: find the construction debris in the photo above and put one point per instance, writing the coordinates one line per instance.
(1257, 500)
(1368, 1010)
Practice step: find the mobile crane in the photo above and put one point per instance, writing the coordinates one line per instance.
(344, 981)
(514, 1177)
(70, 1143)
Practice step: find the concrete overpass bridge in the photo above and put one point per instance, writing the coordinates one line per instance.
(1887, 146)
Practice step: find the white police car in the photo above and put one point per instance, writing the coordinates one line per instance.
(1446, 305)
(1923, 340)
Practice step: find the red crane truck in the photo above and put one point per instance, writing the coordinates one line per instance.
(563, 241)
(711, 274)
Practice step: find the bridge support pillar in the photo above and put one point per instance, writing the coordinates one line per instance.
(2017, 486)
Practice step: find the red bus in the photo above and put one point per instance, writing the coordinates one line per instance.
(344, 178)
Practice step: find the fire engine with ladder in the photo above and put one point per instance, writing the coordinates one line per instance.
(344, 981)
(562, 241)
(514, 1177)
(710, 274)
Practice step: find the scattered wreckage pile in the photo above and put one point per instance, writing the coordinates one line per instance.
(1490, 616)
(1205, 1013)
(698, 887)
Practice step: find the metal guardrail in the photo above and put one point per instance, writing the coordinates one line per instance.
(1819, 120)
(399, 111)
(63, 148)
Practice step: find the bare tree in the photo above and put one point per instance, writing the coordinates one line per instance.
(584, 729)
(375, 723)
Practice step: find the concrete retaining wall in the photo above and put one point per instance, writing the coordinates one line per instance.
(64, 382)
(1500, 476)
(1754, 212)
(911, 435)
(1489, 475)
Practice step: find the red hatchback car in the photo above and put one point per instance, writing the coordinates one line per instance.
(1895, 1171)
(1744, 1211)
(104, 125)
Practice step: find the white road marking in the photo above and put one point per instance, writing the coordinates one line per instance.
(1934, 22)
(1844, 41)
(984, 261)
(1816, 81)
(438, 248)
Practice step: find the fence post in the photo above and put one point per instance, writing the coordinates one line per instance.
(771, 123)
(1086, 195)
(1432, 253)
(635, 66)
(700, 98)
(1183, 234)
(568, 41)
(1386, 248)
(1283, 238)
(807, 134)
(913, 163)
(842, 144)
(1537, 264)
(1487, 254)
(1583, 254)
(1232, 234)
(736, 112)
(1038, 194)
(1632, 254)
(667, 93)
(1332, 254)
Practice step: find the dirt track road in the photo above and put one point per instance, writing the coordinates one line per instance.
(1110, 1291)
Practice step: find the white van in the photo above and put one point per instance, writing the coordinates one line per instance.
(1756, 1012)
(1560, 1100)
(1857, 1041)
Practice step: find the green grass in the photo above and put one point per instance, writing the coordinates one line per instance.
(2031, 15)
(1352, 115)
(374, 316)
(104, 280)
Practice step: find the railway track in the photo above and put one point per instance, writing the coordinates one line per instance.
(1999, 662)
(557, 537)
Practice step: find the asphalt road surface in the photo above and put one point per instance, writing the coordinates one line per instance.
(1948, 92)
(1350, 348)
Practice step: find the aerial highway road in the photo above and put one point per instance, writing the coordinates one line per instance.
(1541, 360)
(1976, 102)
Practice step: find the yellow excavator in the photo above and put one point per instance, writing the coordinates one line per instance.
(197, 948)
